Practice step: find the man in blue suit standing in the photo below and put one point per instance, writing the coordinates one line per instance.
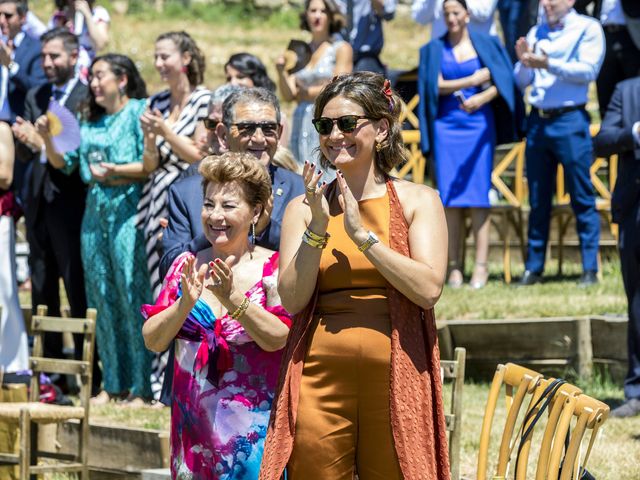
(250, 122)
(620, 134)
(20, 70)
(20, 60)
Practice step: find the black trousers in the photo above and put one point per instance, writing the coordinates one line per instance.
(629, 244)
(621, 61)
(54, 253)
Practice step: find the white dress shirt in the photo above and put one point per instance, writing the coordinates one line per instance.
(575, 51)
(481, 14)
(5, 75)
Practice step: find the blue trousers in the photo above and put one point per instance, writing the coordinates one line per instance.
(563, 139)
(629, 244)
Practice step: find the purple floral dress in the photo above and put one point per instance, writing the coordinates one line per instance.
(223, 385)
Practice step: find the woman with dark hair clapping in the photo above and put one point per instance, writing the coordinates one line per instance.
(360, 388)
(113, 257)
(329, 57)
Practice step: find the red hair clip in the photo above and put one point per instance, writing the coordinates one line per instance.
(386, 89)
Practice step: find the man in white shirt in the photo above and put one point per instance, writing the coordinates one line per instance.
(622, 54)
(558, 59)
(481, 14)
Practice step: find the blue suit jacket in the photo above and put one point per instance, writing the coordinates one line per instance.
(30, 74)
(184, 232)
(493, 56)
(616, 136)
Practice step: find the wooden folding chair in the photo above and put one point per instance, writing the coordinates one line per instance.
(33, 413)
(588, 414)
(454, 370)
(525, 382)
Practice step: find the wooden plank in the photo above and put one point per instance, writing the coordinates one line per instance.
(69, 367)
(58, 324)
(609, 337)
(515, 340)
(584, 351)
(122, 449)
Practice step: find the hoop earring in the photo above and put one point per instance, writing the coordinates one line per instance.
(253, 233)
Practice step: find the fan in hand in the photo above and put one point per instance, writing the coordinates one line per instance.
(296, 56)
(64, 128)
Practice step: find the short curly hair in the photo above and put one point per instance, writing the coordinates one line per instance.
(367, 89)
(238, 167)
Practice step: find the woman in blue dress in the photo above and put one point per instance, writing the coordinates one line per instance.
(463, 79)
(113, 256)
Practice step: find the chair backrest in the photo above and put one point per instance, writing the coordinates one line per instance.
(557, 396)
(40, 325)
(454, 370)
(585, 414)
(525, 382)
(507, 176)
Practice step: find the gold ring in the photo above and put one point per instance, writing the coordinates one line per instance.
(311, 190)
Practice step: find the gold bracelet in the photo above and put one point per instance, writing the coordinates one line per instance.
(241, 309)
(314, 243)
(314, 236)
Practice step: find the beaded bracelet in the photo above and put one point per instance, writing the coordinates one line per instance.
(241, 309)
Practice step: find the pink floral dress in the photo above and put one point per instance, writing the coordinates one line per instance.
(223, 385)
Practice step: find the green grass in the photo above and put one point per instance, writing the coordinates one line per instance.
(557, 296)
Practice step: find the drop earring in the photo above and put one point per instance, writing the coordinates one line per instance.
(253, 233)
(379, 147)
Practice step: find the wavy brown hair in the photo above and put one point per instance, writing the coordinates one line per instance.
(238, 167)
(336, 20)
(186, 44)
(366, 89)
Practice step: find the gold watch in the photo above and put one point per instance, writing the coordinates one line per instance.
(369, 242)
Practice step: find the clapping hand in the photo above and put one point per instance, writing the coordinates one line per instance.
(42, 126)
(191, 281)
(222, 278)
(314, 194)
(153, 122)
(528, 58)
(26, 133)
(349, 204)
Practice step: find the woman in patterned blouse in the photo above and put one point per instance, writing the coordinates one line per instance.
(228, 327)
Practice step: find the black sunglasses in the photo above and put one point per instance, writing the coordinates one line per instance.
(210, 124)
(346, 123)
(248, 129)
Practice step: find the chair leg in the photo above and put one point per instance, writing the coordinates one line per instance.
(83, 448)
(25, 444)
(506, 248)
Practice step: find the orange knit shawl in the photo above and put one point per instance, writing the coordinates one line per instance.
(417, 415)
